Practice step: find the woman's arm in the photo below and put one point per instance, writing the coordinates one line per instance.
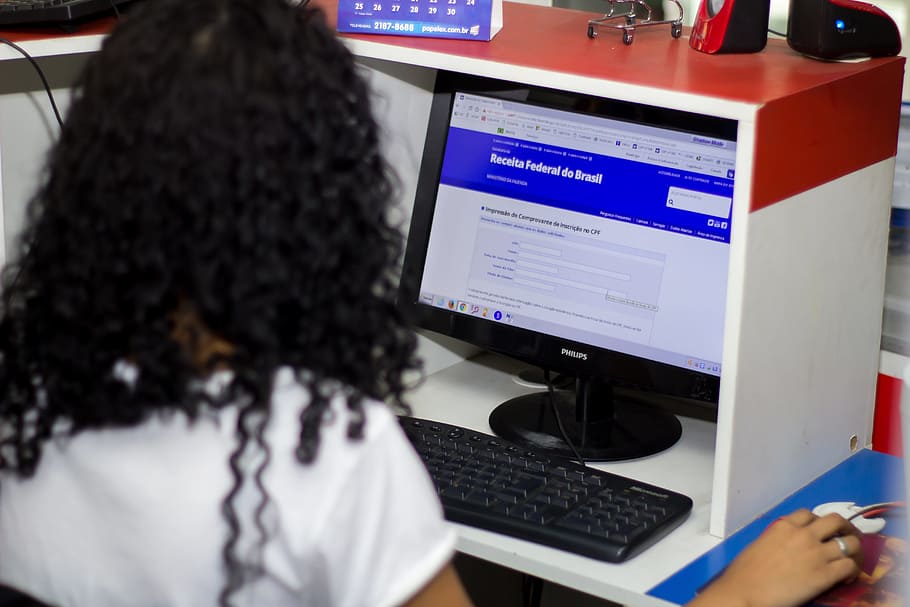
(444, 590)
(794, 560)
(797, 558)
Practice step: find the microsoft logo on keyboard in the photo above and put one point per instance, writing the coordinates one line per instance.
(648, 491)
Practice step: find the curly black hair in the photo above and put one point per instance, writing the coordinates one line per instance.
(219, 154)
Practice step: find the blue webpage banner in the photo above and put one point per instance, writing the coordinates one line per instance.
(462, 19)
(604, 186)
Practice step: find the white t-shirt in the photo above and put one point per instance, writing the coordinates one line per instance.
(132, 517)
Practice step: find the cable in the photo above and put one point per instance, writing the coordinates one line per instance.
(875, 509)
(532, 590)
(776, 33)
(38, 69)
(562, 429)
(47, 87)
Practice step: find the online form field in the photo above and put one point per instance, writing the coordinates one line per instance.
(699, 202)
(581, 278)
(553, 265)
(522, 277)
(539, 249)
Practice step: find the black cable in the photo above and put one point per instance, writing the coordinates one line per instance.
(562, 429)
(776, 33)
(47, 88)
(38, 69)
(532, 590)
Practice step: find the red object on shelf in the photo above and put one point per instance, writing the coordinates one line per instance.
(730, 26)
(886, 423)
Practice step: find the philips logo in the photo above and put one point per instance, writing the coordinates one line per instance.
(574, 354)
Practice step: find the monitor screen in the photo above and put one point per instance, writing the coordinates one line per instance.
(584, 235)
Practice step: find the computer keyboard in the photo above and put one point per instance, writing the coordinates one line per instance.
(26, 12)
(487, 482)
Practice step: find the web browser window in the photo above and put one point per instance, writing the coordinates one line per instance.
(606, 232)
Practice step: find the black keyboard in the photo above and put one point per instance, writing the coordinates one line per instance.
(490, 483)
(27, 12)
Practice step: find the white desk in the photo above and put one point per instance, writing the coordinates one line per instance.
(465, 393)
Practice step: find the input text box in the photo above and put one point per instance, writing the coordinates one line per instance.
(699, 202)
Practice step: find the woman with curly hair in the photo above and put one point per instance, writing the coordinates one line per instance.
(198, 341)
(200, 325)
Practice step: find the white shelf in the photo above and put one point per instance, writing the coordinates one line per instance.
(51, 47)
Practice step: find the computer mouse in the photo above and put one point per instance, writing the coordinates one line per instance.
(848, 509)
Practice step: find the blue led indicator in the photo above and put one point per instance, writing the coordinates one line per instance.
(839, 24)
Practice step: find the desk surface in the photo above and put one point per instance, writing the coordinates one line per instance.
(866, 478)
(538, 39)
(669, 572)
(465, 393)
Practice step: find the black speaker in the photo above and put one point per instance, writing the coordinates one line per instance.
(730, 26)
(841, 29)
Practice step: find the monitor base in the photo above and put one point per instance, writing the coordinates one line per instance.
(535, 377)
(631, 431)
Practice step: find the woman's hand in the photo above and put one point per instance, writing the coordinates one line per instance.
(798, 557)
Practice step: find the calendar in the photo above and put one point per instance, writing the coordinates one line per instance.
(463, 19)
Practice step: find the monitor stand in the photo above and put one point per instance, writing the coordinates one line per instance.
(602, 427)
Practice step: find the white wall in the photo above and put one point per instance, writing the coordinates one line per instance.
(401, 100)
(27, 129)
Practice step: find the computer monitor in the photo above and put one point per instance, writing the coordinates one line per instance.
(583, 235)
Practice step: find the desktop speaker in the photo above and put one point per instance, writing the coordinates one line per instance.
(841, 29)
(730, 26)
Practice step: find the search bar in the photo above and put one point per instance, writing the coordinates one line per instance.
(699, 202)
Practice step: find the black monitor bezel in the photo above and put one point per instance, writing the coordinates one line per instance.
(538, 349)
